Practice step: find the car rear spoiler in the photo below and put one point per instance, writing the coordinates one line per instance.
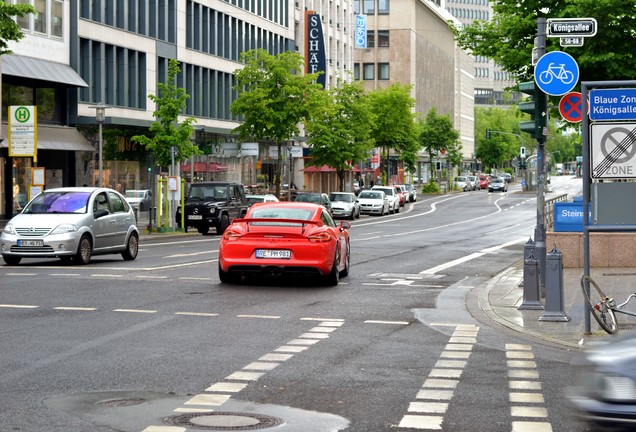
(302, 222)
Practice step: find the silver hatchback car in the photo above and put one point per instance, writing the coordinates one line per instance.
(72, 223)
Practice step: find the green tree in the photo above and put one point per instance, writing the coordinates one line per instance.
(395, 127)
(274, 98)
(508, 38)
(437, 135)
(339, 128)
(505, 137)
(9, 28)
(167, 131)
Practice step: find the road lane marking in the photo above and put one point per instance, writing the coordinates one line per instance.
(259, 316)
(527, 409)
(143, 311)
(205, 314)
(15, 306)
(428, 410)
(75, 308)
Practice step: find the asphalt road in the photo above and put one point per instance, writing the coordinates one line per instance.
(159, 345)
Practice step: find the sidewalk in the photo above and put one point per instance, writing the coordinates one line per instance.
(503, 294)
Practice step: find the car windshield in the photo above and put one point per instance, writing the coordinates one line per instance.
(372, 195)
(135, 194)
(461, 179)
(388, 191)
(59, 202)
(497, 180)
(341, 197)
(280, 213)
(255, 199)
(208, 192)
(316, 199)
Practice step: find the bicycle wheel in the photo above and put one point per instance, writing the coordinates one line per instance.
(600, 305)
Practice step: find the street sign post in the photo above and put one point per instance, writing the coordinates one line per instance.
(556, 73)
(563, 27)
(571, 107)
(612, 104)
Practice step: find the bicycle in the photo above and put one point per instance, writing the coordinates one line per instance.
(558, 72)
(604, 309)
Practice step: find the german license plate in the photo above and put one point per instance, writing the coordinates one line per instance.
(273, 253)
(195, 217)
(27, 243)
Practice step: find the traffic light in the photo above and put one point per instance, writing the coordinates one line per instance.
(536, 107)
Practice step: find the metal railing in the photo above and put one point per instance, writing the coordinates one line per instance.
(549, 210)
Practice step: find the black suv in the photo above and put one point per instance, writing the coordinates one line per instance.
(213, 204)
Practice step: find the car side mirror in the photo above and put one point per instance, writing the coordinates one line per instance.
(344, 225)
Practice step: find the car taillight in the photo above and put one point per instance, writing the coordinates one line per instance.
(322, 237)
(231, 235)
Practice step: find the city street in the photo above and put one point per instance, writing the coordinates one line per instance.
(160, 345)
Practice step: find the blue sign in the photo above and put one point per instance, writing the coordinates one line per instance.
(613, 104)
(361, 31)
(556, 73)
(568, 216)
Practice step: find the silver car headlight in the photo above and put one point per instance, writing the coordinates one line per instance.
(64, 229)
(9, 229)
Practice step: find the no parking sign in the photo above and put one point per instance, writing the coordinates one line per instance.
(571, 107)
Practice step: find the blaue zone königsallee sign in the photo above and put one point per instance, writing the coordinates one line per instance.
(612, 104)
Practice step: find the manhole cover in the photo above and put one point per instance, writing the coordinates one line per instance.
(121, 402)
(225, 421)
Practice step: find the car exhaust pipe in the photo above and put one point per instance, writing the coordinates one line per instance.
(274, 271)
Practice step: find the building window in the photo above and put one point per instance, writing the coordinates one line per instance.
(370, 38)
(369, 7)
(57, 13)
(383, 38)
(356, 71)
(39, 17)
(383, 6)
(24, 21)
(383, 71)
(368, 71)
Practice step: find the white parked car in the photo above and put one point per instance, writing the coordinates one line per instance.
(345, 205)
(256, 198)
(139, 200)
(373, 202)
(461, 182)
(72, 223)
(392, 195)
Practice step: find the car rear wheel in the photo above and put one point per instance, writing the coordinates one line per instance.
(333, 277)
(84, 251)
(11, 260)
(225, 277)
(132, 248)
(225, 222)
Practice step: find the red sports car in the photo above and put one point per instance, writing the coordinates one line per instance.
(285, 239)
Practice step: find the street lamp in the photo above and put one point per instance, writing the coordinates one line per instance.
(100, 116)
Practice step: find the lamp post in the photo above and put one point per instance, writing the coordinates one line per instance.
(100, 116)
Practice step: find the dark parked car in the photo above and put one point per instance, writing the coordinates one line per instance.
(213, 204)
(604, 391)
(316, 198)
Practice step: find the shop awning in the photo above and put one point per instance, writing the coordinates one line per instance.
(55, 138)
(205, 167)
(38, 69)
(325, 168)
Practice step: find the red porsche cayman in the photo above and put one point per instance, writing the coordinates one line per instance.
(285, 239)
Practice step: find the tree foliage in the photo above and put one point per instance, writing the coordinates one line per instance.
(9, 28)
(508, 38)
(505, 137)
(167, 131)
(339, 128)
(274, 98)
(437, 134)
(395, 126)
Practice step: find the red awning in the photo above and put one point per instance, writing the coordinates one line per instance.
(205, 167)
(325, 168)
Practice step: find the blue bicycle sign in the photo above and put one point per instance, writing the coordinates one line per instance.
(556, 73)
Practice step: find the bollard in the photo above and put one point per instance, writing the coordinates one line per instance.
(527, 251)
(554, 287)
(530, 284)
